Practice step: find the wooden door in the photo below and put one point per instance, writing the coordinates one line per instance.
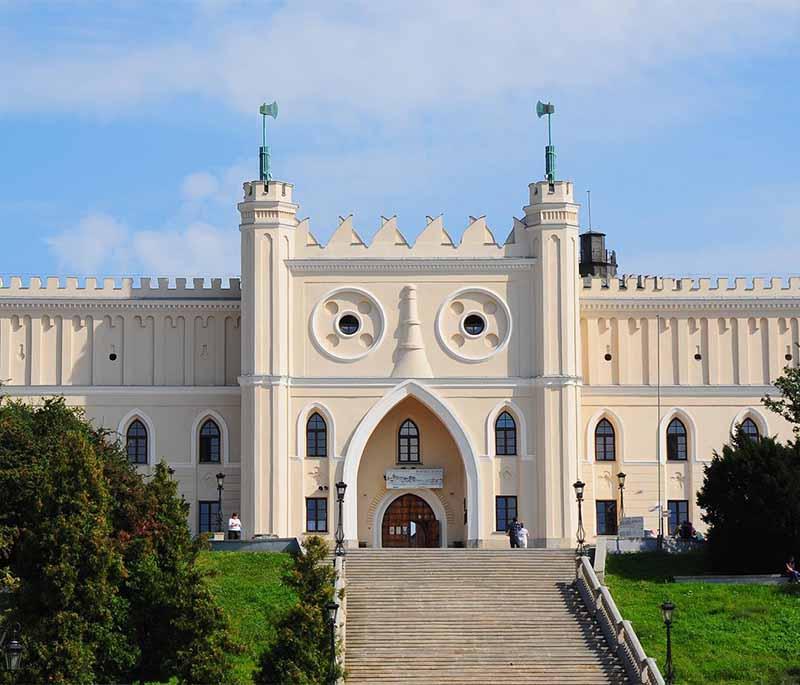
(409, 522)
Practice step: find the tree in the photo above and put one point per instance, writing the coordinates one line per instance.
(301, 652)
(102, 563)
(750, 503)
(788, 404)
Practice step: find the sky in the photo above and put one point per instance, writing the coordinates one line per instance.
(127, 128)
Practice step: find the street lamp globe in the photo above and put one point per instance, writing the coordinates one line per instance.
(666, 612)
(14, 651)
(341, 486)
(220, 480)
(332, 608)
(579, 486)
(621, 477)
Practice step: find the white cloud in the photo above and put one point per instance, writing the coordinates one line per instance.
(98, 239)
(200, 249)
(199, 185)
(390, 58)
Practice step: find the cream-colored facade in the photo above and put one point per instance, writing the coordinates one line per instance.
(368, 335)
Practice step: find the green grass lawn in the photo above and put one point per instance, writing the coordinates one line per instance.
(722, 634)
(249, 588)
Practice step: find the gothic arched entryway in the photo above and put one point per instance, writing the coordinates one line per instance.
(409, 521)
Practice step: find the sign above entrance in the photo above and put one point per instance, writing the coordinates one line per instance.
(414, 478)
(631, 527)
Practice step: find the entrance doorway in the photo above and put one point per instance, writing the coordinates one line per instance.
(409, 522)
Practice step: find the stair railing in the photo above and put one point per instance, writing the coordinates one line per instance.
(340, 596)
(619, 633)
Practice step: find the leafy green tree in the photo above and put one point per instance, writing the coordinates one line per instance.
(788, 404)
(300, 653)
(749, 495)
(101, 559)
(55, 519)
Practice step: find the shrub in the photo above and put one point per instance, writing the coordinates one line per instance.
(100, 564)
(751, 503)
(301, 652)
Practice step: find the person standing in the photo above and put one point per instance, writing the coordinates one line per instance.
(234, 527)
(513, 532)
(523, 535)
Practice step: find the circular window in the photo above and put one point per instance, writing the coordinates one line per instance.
(474, 324)
(348, 325)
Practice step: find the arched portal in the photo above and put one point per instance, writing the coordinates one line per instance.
(459, 462)
(409, 521)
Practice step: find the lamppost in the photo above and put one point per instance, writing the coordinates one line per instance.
(13, 650)
(341, 486)
(581, 533)
(621, 478)
(666, 612)
(332, 608)
(220, 488)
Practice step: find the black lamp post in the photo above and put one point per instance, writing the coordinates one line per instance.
(341, 486)
(581, 533)
(171, 472)
(13, 650)
(332, 608)
(220, 488)
(666, 612)
(621, 478)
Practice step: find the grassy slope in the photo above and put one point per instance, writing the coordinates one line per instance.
(722, 634)
(248, 586)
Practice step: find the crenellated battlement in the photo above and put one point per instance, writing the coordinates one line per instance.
(477, 240)
(667, 287)
(127, 288)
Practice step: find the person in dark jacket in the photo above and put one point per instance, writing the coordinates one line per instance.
(513, 532)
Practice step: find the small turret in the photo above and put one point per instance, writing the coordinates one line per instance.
(596, 260)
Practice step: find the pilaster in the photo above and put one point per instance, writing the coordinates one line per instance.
(552, 223)
(268, 222)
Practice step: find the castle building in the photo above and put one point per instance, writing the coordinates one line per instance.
(452, 385)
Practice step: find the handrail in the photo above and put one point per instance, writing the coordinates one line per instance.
(619, 633)
(340, 596)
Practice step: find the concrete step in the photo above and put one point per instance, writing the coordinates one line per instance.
(471, 616)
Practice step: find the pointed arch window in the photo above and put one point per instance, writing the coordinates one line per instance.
(676, 441)
(316, 436)
(210, 451)
(136, 442)
(505, 435)
(605, 447)
(750, 429)
(408, 443)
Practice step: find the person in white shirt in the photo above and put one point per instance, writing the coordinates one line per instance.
(523, 536)
(234, 527)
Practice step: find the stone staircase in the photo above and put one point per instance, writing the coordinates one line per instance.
(471, 616)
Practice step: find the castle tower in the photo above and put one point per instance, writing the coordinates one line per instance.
(551, 219)
(268, 222)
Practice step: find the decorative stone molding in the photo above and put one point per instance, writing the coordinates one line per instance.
(411, 265)
(326, 330)
(487, 306)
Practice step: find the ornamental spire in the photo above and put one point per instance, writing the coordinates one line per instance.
(547, 108)
(265, 110)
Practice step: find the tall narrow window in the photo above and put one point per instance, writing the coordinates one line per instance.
(676, 441)
(316, 436)
(678, 513)
(316, 515)
(505, 434)
(505, 509)
(750, 429)
(209, 443)
(136, 442)
(604, 441)
(209, 516)
(408, 443)
(606, 510)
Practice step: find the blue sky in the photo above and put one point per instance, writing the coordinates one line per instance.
(127, 128)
